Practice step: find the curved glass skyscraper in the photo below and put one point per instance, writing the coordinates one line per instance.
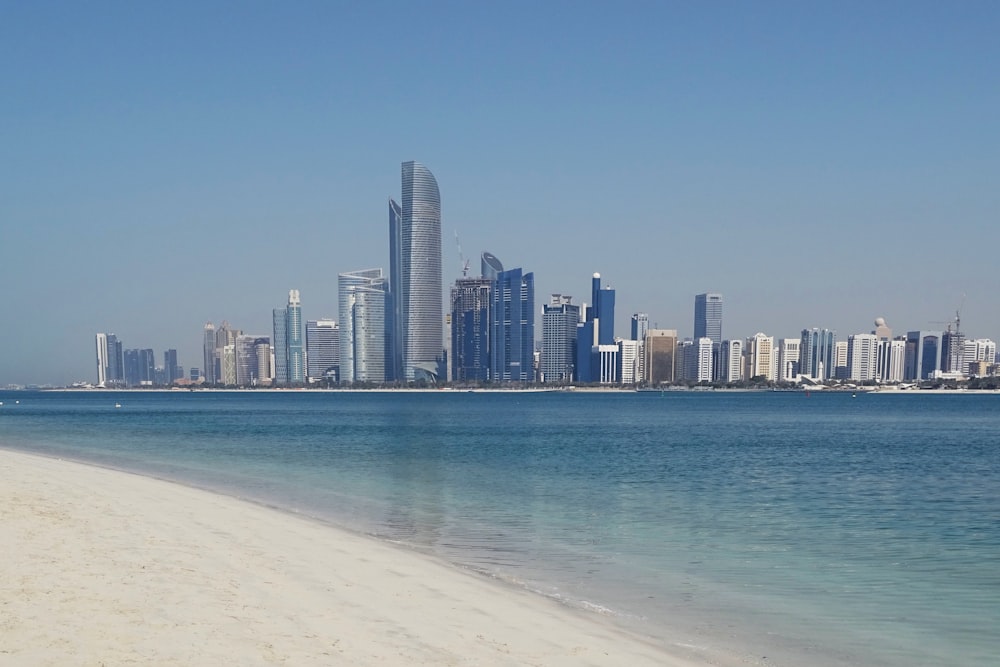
(419, 285)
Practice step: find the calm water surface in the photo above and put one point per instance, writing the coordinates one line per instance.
(788, 529)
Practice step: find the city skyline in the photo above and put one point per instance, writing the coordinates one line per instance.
(798, 160)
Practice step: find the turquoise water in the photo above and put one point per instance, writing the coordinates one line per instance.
(782, 528)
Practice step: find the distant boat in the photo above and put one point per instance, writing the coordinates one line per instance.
(118, 405)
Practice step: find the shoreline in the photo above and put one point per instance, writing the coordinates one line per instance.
(114, 566)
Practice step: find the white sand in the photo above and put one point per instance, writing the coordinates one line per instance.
(101, 567)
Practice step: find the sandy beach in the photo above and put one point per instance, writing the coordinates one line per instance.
(104, 567)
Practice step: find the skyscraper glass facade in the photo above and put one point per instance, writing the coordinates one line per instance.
(708, 316)
(513, 332)
(420, 272)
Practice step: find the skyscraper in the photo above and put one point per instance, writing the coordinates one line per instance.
(208, 352)
(170, 367)
(296, 340)
(101, 341)
(279, 320)
(708, 316)
(816, 357)
(471, 323)
(322, 349)
(289, 342)
(363, 296)
(512, 339)
(419, 281)
(559, 320)
(394, 312)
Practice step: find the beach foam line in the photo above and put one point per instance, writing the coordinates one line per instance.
(108, 567)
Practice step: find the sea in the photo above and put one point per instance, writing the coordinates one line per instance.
(776, 528)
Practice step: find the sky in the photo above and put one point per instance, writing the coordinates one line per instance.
(163, 165)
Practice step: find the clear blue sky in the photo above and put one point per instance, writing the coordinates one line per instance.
(167, 164)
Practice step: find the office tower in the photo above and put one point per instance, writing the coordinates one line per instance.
(840, 370)
(628, 361)
(640, 325)
(419, 281)
(170, 367)
(114, 374)
(394, 312)
(862, 357)
(598, 328)
(363, 298)
(131, 368)
(195, 374)
(890, 360)
(559, 320)
(760, 349)
(471, 323)
(208, 350)
(512, 335)
(923, 355)
(683, 360)
(101, 341)
(264, 353)
(289, 342)
(816, 353)
(322, 349)
(279, 323)
(246, 361)
(788, 359)
(225, 354)
(731, 360)
(295, 340)
(708, 316)
(661, 346)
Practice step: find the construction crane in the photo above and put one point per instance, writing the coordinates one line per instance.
(461, 257)
(956, 321)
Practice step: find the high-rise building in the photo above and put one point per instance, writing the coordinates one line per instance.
(840, 370)
(279, 320)
(598, 328)
(140, 368)
(419, 274)
(559, 321)
(471, 323)
(890, 360)
(640, 325)
(296, 341)
(923, 355)
(759, 351)
(953, 352)
(661, 348)
(363, 297)
(628, 361)
(816, 353)
(208, 351)
(708, 316)
(289, 342)
(101, 341)
(394, 311)
(512, 336)
(788, 359)
(170, 367)
(108, 355)
(731, 360)
(862, 357)
(322, 349)
(701, 360)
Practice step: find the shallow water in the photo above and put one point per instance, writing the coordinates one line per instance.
(785, 528)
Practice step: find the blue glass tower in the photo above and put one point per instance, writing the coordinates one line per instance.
(512, 339)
